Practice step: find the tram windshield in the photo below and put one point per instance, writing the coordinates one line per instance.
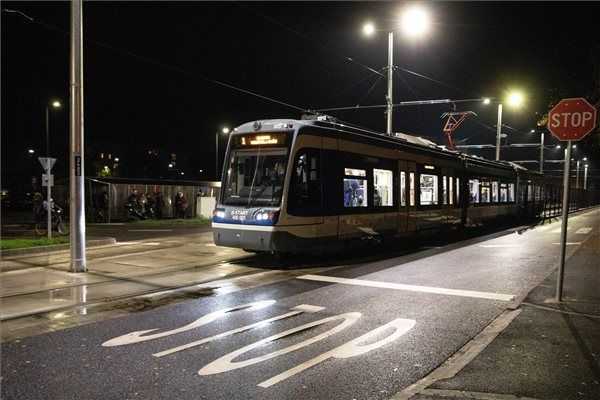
(254, 177)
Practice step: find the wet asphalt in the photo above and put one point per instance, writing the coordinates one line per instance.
(73, 364)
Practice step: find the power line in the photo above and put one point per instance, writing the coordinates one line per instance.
(159, 63)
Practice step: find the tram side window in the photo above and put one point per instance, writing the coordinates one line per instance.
(445, 190)
(355, 188)
(451, 192)
(383, 183)
(511, 192)
(429, 189)
(485, 192)
(457, 190)
(411, 184)
(495, 192)
(403, 188)
(474, 191)
(503, 192)
(305, 183)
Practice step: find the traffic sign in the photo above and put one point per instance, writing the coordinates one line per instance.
(47, 162)
(46, 181)
(572, 119)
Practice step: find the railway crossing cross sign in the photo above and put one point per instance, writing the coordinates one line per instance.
(572, 119)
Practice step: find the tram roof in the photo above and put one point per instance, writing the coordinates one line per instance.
(414, 141)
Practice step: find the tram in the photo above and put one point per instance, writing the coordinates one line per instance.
(316, 185)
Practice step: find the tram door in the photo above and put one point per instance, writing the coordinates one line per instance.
(412, 196)
(407, 206)
(403, 196)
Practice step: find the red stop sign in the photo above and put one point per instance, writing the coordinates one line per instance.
(571, 119)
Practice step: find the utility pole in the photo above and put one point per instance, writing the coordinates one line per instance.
(76, 181)
(498, 131)
(565, 217)
(390, 88)
(542, 154)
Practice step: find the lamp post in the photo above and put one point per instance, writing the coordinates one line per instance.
(55, 104)
(225, 131)
(542, 153)
(514, 99)
(414, 22)
(585, 172)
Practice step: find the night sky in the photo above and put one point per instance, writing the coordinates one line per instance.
(148, 71)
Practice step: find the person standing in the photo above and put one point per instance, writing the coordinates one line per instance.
(159, 202)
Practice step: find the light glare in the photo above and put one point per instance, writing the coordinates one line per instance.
(515, 99)
(486, 101)
(225, 130)
(56, 104)
(368, 29)
(415, 21)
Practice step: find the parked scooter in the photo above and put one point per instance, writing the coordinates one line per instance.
(134, 212)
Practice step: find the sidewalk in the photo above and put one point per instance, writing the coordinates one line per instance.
(549, 351)
(34, 283)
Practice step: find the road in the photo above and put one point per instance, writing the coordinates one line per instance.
(361, 331)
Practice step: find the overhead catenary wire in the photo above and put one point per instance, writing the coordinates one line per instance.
(159, 63)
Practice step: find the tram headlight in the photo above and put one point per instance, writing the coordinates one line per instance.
(219, 214)
(267, 216)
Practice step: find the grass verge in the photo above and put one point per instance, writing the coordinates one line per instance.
(20, 243)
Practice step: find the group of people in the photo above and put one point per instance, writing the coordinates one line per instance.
(150, 205)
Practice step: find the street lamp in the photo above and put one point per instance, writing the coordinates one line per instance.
(31, 151)
(225, 131)
(486, 101)
(514, 99)
(414, 22)
(55, 104)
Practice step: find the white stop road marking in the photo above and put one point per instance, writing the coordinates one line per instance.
(411, 288)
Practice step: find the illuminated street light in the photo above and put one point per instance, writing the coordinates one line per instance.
(368, 29)
(55, 104)
(31, 151)
(225, 130)
(182, 173)
(558, 147)
(486, 101)
(532, 131)
(584, 158)
(116, 159)
(514, 99)
(170, 165)
(415, 21)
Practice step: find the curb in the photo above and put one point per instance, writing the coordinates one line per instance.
(57, 247)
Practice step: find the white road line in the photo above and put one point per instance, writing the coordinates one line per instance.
(463, 395)
(462, 357)
(150, 230)
(584, 231)
(492, 246)
(571, 243)
(411, 288)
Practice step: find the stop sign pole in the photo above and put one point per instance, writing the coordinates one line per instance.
(570, 120)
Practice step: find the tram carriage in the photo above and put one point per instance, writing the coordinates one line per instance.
(317, 185)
